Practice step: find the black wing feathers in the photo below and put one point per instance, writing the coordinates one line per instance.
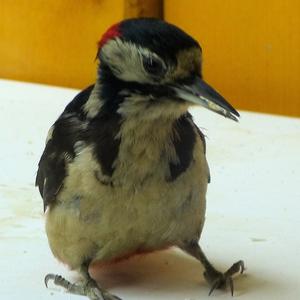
(59, 149)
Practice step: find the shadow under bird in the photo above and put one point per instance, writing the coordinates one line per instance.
(124, 168)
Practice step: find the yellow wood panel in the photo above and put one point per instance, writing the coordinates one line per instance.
(251, 49)
(143, 8)
(53, 41)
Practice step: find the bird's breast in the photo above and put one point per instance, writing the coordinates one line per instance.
(138, 207)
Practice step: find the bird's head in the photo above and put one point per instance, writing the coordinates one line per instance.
(149, 66)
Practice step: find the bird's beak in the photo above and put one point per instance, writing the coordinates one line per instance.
(199, 92)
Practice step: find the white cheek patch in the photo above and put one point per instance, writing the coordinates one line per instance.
(94, 103)
(125, 60)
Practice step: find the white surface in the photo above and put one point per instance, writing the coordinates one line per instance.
(252, 214)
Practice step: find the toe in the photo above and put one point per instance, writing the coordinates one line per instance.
(108, 296)
(98, 294)
(215, 285)
(218, 280)
(230, 282)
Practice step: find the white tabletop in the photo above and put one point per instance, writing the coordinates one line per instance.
(253, 208)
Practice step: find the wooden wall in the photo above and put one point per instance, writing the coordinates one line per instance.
(251, 47)
(53, 42)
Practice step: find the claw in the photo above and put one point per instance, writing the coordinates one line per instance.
(231, 285)
(237, 267)
(242, 266)
(48, 277)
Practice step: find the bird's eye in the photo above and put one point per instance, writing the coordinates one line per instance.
(153, 66)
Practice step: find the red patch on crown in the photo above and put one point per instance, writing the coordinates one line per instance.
(111, 33)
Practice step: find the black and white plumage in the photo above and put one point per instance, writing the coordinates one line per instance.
(124, 168)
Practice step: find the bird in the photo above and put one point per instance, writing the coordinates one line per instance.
(124, 169)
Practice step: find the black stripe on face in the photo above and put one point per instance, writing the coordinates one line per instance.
(184, 141)
(113, 90)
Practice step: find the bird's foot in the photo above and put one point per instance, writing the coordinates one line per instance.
(219, 280)
(89, 289)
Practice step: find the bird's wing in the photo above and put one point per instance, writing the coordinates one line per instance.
(59, 150)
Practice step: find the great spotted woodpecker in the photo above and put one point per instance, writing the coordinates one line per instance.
(124, 168)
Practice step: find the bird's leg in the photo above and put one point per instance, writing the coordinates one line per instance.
(88, 288)
(216, 279)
